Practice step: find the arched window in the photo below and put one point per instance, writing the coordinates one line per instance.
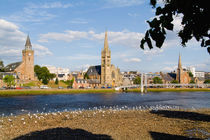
(113, 74)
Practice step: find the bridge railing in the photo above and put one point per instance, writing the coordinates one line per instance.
(168, 85)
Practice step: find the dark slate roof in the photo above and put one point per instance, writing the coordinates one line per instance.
(168, 76)
(28, 42)
(94, 70)
(12, 66)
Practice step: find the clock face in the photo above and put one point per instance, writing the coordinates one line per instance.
(29, 54)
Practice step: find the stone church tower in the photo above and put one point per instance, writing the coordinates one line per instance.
(106, 64)
(179, 70)
(28, 61)
(182, 76)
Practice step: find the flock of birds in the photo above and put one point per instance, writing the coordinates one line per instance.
(68, 114)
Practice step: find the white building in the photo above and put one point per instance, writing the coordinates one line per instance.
(196, 73)
(61, 73)
(200, 74)
(192, 70)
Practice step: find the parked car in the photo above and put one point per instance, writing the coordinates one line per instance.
(60, 87)
(108, 87)
(44, 87)
(69, 87)
(81, 87)
(26, 87)
(3, 88)
(19, 88)
(102, 87)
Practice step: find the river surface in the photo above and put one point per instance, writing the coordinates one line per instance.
(65, 102)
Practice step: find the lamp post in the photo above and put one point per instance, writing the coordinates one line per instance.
(142, 86)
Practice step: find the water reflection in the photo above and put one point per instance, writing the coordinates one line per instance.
(53, 103)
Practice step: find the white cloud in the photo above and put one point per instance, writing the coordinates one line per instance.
(124, 38)
(68, 36)
(133, 14)
(122, 3)
(80, 57)
(132, 60)
(50, 5)
(153, 51)
(78, 21)
(12, 41)
(37, 12)
(41, 50)
(169, 69)
(30, 15)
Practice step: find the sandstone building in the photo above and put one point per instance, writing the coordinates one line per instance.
(24, 70)
(182, 76)
(106, 74)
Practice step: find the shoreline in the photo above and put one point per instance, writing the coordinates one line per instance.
(26, 92)
(109, 124)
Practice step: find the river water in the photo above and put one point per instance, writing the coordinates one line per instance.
(65, 102)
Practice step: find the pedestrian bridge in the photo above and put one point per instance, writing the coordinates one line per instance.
(164, 86)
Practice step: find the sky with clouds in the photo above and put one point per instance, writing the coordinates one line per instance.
(70, 34)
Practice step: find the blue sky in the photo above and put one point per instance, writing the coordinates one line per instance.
(70, 34)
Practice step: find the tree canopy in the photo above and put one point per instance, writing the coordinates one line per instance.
(157, 80)
(1, 66)
(9, 80)
(195, 14)
(207, 81)
(174, 82)
(137, 80)
(43, 74)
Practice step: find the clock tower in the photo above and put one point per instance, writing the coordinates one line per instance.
(28, 61)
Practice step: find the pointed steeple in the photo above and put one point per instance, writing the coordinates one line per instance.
(106, 45)
(179, 63)
(28, 45)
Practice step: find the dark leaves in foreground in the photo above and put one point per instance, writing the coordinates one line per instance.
(194, 21)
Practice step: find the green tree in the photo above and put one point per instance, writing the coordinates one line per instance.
(207, 81)
(9, 80)
(86, 76)
(56, 81)
(174, 82)
(190, 74)
(194, 15)
(1, 66)
(70, 82)
(137, 80)
(157, 80)
(43, 74)
(192, 82)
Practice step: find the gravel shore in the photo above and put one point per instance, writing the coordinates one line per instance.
(108, 124)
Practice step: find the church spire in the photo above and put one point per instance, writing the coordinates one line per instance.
(106, 45)
(179, 63)
(28, 45)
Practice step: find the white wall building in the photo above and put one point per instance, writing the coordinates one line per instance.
(192, 70)
(200, 74)
(61, 73)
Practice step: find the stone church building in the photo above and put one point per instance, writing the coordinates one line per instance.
(106, 74)
(23, 70)
(181, 75)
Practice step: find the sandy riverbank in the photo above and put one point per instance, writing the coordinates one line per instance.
(108, 124)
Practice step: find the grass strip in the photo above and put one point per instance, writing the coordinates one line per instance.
(6, 93)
